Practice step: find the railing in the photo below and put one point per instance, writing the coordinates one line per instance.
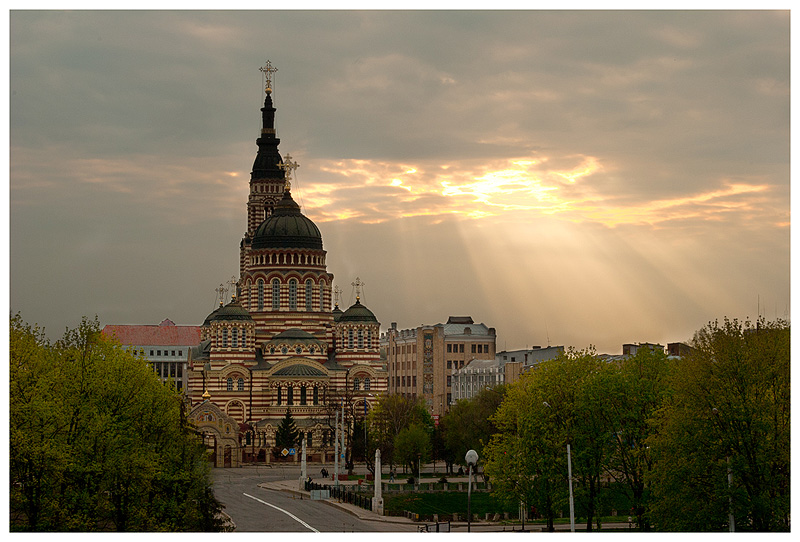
(343, 494)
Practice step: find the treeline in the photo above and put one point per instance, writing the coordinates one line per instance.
(695, 442)
(97, 443)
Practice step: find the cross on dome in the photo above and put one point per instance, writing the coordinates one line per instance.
(221, 294)
(268, 70)
(233, 282)
(288, 167)
(358, 284)
(336, 293)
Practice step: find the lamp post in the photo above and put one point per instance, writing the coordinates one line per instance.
(569, 475)
(472, 459)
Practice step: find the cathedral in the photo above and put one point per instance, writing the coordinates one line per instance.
(279, 345)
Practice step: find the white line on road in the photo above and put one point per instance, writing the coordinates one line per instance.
(297, 519)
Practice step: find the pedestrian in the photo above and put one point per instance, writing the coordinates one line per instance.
(391, 475)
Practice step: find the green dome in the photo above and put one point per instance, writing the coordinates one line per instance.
(358, 313)
(231, 311)
(287, 227)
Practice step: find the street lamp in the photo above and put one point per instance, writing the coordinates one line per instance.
(472, 459)
(569, 475)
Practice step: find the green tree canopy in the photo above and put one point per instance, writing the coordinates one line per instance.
(730, 409)
(97, 442)
(391, 414)
(469, 424)
(412, 445)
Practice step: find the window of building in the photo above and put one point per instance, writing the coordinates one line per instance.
(302, 395)
(151, 352)
(309, 294)
(403, 381)
(276, 294)
(448, 380)
(158, 352)
(180, 370)
(180, 352)
(225, 338)
(356, 383)
(235, 334)
(230, 384)
(290, 395)
(293, 295)
(366, 384)
(309, 439)
(240, 384)
(261, 294)
(280, 398)
(461, 348)
(449, 348)
(316, 395)
(474, 348)
(415, 381)
(449, 364)
(369, 338)
(349, 338)
(361, 338)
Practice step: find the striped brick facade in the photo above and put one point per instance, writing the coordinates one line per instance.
(277, 344)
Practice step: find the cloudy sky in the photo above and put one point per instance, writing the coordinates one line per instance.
(569, 178)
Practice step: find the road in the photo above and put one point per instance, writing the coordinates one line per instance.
(254, 509)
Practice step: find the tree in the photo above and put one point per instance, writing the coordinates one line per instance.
(468, 424)
(412, 446)
(630, 392)
(287, 435)
(522, 459)
(97, 442)
(392, 414)
(729, 413)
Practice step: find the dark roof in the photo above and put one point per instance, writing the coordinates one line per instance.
(299, 369)
(287, 227)
(231, 311)
(358, 313)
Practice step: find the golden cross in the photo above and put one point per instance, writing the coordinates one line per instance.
(288, 168)
(268, 70)
(336, 293)
(221, 293)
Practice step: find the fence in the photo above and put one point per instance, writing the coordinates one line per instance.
(343, 494)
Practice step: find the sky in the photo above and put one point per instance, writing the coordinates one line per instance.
(576, 178)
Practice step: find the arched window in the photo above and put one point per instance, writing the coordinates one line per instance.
(302, 395)
(280, 398)
(261, 294)
(366, 384)
(230, 384)
(225, 337)
(235, 334)
(349, 338)
(290, 395)
(244, 337)
(321, 297)
(361, 338)
(240, 384)
(309, 294)
(293, 295)
(356, 382)
(316, 395)
(276, 294)
(369, 338)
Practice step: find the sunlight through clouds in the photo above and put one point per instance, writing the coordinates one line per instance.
(377, 191)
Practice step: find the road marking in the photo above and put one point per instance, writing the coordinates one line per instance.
(297, 519)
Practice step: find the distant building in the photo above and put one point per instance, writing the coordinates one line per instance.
(165, 346)
(630, 349)
(421, 361)
(506, 368)
(679, 350)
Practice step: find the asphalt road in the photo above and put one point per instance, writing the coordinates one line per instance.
(254, 509)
